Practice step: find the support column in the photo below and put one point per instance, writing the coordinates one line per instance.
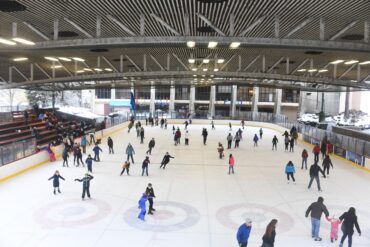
(233, 101)
(171, 107)
(152, 100)
(113, 93)
(346, 104)
(212, 101)
(132, 88)
(254, 109)
(192, 100)
(277, 106)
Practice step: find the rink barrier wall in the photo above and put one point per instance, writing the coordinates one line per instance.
(23, 165)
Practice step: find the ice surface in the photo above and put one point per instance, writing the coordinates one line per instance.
(198, 204)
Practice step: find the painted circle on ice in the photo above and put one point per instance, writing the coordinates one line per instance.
(169, 216)
(233, 216)
(72, 212)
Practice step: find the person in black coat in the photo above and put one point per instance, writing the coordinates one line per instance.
(65, 156)
(269, 236)
(56, 178)
(150, 193)
(204, 134)
(145, 166)
(142, 135)
(274, 142)
(291, 145)
(151, 145)
(85, 185)
(166, 160)
(110, 145)
(314, 174)
(326, 163)
(349, 220)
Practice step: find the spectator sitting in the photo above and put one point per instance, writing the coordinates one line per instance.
(40, 117)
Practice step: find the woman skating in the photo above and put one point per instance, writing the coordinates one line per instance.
(65, 157)
(269, 236)
(220, 150)
(56, 178)
(231, 163)
(349, 222)
(326, 164)
(290, 170)
(304, 158)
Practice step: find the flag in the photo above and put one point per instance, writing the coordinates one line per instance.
(132, 102)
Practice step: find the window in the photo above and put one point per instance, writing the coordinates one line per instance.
(244, 94)
(182, 92)
(142, 93)
(266, 94)
(223, 93)
(162, 93)
(103, 93)
(202, 93)
(291, 96)
(123, 93)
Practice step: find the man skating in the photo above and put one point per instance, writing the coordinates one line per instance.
(165, 160)
(314, 174)
(85, 185)
(150, 193)
(316, 209)
(151, 145)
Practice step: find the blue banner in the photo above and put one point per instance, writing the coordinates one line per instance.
(132, 101)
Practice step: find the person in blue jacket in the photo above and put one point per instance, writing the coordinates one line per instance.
(97, 151)
(290, 170)
(255, 140)
(142, 206)
(83, 144)
(243, 233)
(56, 178)
(89, 162)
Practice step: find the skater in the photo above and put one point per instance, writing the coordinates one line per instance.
(290, 170)
(92, 138)
(83, 143)
(316, 151)
(268, 238)
(231, 164)
(186, 125)
(162, 123)
(150, 146)
(110, 145)
(323, 149)
(173, 129)
(220, 150)
(65, 157)
(334, 225)
(291, 145)
(145, 166)
(314, 174)
(255, 140)
(142, 135)
(56, 178)
(243, 123)
(326, 163)
(237, 140)
(130, 152)
(204, 134)
(79, 157)
(85, 185)
(165, 124)
(295, 137)
(349, 220)
(126, 166)
(274, 142)
(243, 233)
(97, 151)
(150, 193)
(230, 126)
(138, 128)
(142, 206)
(166, 160)
(286, 134)
(187, 138)
(240, 132)
(89, 162)
(316, 209)
(130, 125)
(261, 133)
(304, 158)
(213, 125)
(286, 142)
(178, 136)
(229, 139)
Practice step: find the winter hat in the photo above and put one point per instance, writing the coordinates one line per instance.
(248, 221)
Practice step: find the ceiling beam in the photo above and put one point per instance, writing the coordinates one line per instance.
(299, 66)
(228, 61)
(251, 63)
(299, 27)
(121, 25)
(180, 62)
(133, 63)
(347, 71)
(341, 32)
(109, 64)
(20, 73)
(35, 30)
(209, 23)
(42, 70)
(156, 61)
(275, 64)
(165, 24)
(253, 25)
(76, 26)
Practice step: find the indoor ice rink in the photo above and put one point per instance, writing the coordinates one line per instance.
(197, 203)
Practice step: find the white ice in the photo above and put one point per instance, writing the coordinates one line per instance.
(198, 204)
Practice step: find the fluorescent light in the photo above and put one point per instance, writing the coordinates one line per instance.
(78, 59)
(66, 59)
(203, 75)
(190, 44)
(20, 59)
(301, 70)
(194, 75)
(337, 61)
(97, 69)
(351, 62)
(23, 41)
(205, 69)
(234, 45)
(312, 70)
(323, 70)
(52, 59)
(56, 66)
(215, 70)
(212, 44)
(80, 71)
(194, 69)
(87, 69)
(7, 42)
(108, 69)
(205, 60)
(191, 60)
(212, 75)
(220, 60)
(365, 62)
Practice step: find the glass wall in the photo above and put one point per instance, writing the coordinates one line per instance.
(162, 92)
(266, 94)
(182, 92)
(103, 93)
(244, 93)
(202, 93)
(142, 93)
(123, 93)
(223, 93)
(17, 150)
(291, 96)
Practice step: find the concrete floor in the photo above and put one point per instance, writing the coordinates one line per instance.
(198, 204)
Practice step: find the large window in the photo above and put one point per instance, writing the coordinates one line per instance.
(202, 93)
(162, 92)
(123, 93)
(103, 93)
(244, 93)
(223, 93)
(182, 92)
(291, 96)
(266, 94)
(142, 93)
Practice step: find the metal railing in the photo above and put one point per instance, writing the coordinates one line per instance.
(17, 150)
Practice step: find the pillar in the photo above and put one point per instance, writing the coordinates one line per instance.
(212, 101)
(192, 100)
(346, 104)
(254, 109)
(152, 100)
(132, 88)
(113, 93)
(171, 107)
(233, 101)
(277, 105)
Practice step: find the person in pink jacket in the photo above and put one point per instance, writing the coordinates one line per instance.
(231, 164)
(334, 228)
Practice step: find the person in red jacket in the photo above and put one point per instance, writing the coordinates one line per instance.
(316, 151)
(304, 158)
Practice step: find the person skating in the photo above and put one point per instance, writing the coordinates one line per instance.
(323, 149)
(268, 239)
(151, 145)
(150, 192)
(213, 125)
(97, 151)
(166, 160)
(231, 163)
(204, 134)
(334, 226)
(145, 166)
(236, 140)
(85, 185)
(186, 125)
(291, 145)
(295, 137)
(56, 178)
(162, 123)
(138, 128)
(314, 174)
(142, 135)
(178, 136)
(230, 127)
(255, 140)
(286, 142)
(243, 123)
(349, 222)
(92, 138)
(304, 158)
(261, 133)
(79, 157)
(165, 124)
(173, 129)
(126, 166)
(290, 170)
(187, 138)
(244, 232)
(110, 145)
(83, 143)
(142, 206)
(316, 209)
(89, 162)
(229, 139)
(65, 157)
(75, 151)
(220, 150)
(286, 134)
(274, 142)
(240, 133)
(316, 151)
(326, 163)
(130, 152)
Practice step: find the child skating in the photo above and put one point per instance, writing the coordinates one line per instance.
(142, 206)
(85, 185)
(89, 162)
(255, 140)
(290, 170)
(334, 225)
(126, 166)
(231, 164)
(56, 178)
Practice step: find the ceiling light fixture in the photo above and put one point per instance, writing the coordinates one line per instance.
(337, 61)
(87, 69)
(212, 44)
(215, 70)
(205, 69)
(78, 59)
(66, 59)
(97, 69)
(20, 59)
(194, 75)
(56, 66)
(351, 62)
(365, 62)
(220, 60)
(190, 44)
(80, 71)
(23, 41)
(323, 70)
(206, 60)
(7, 42)
(191, 60)
(108, 69)
(302, 70)
(312, 70)
(234, 45)
(194, 69)
(52, 59)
